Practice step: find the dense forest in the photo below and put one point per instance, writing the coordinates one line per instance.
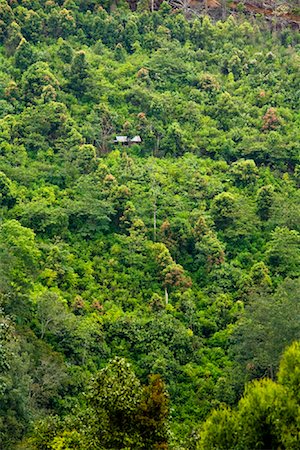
(149, 293)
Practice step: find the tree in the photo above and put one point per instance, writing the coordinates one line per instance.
(130, 35)
(21, 253)
(88, 213)
(210, 251)
(264, 201)
(13, 38)
(244, 172)
(36, 78)
(154, 413)
(103, 124)
(268, 325)
(260, 276)
(234, 215)
(79, 74)
(6, 16)
(218, 431)
(224, 209)
(289, 370)
(108, 242)
(264, 413)
(175, 277)
(83, 157)
(52, 314)
(120, 413)
(271, 120)
(176, 141)
(267, 417)
(285, 210)
(7, 194)
(283, 252)
(65, 52)
(24, 55)
(120, 52)
(48, 127)
(32, 24)
(171, 275)
(117, 390)
(61, 22)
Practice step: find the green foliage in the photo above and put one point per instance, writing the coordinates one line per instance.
(117, 390)
(268, 325)
(79, 73)
(14, 386)
(20, 252)
(219, 430)
(65, 51)
(289, 370)
(264, 201)
(244, 172)
(266, 417)
(283, 251)
(119, 413)
(36, 80)
(24, 55)
(7, 196)
(177, 259)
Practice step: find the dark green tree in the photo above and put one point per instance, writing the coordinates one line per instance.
(79, 74)
(264, 201)
(24, 55)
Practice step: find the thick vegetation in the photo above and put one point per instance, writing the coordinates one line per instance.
(141, 287)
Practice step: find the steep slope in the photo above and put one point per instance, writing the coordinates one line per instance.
(154, 254)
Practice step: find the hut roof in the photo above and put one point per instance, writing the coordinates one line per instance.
(121, 139)
(136, 139)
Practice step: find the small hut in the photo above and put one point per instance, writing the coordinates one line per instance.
(124, 140)
(135, 140)
(121, 140)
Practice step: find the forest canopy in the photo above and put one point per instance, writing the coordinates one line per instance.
(149, 293)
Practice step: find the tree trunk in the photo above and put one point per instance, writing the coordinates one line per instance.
(166, 295)
(154, 220)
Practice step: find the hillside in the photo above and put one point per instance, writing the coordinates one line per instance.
(143, 286)
(278, 14)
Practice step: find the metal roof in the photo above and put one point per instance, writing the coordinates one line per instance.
(136, 139)
(121, 139)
